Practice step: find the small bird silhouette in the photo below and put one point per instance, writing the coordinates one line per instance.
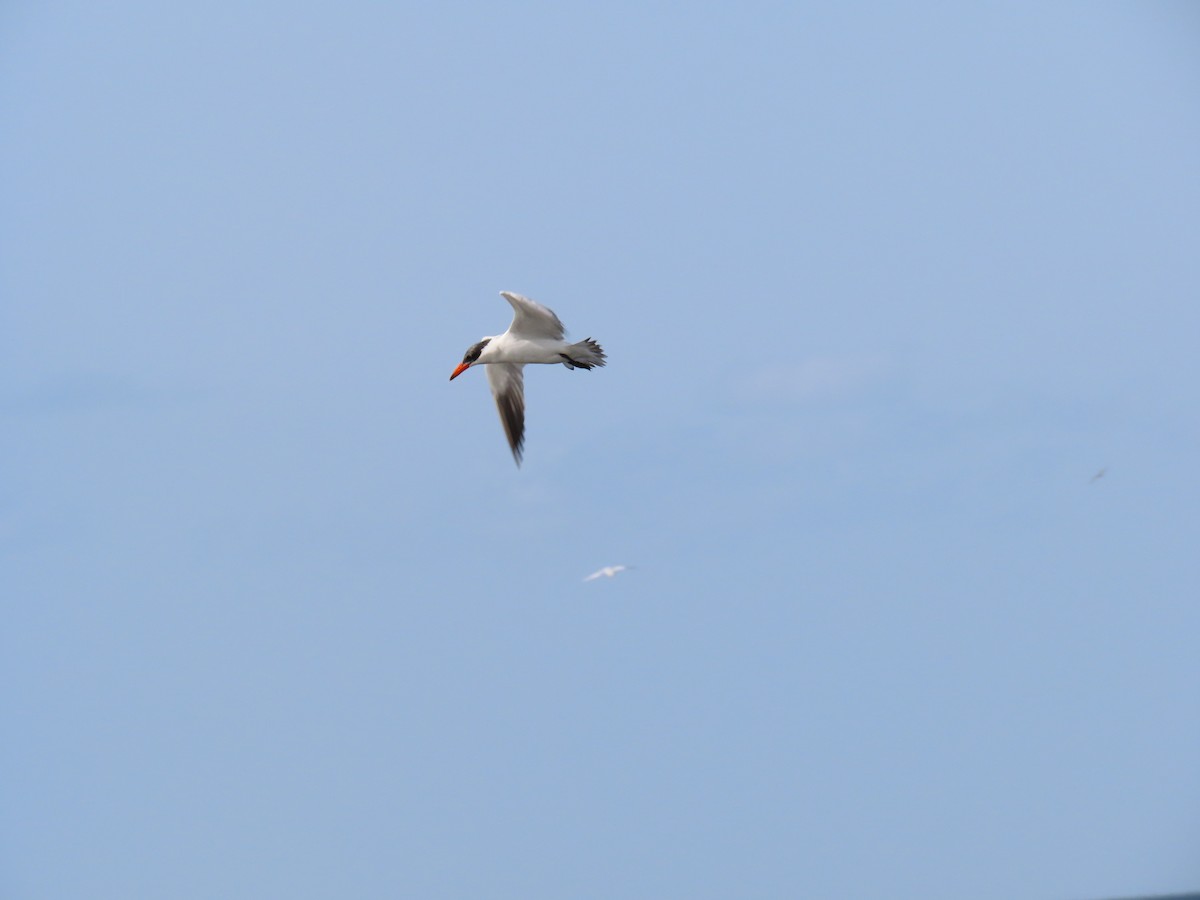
(607, 572)
(1098, 475)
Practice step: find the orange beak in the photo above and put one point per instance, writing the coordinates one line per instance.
(462, 367)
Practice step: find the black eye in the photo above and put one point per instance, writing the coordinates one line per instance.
(473, 352)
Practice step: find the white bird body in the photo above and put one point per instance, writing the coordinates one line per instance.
(508, 348)
(535, 336)
(607, 572)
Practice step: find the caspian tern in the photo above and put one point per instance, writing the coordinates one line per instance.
(607, 572)
(535, 336)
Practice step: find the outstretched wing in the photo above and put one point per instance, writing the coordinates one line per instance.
(532, 319)
(507, 381)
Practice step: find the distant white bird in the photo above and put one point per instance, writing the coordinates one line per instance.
(535, 336)
(607, 572)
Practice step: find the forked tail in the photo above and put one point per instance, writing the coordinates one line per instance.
(584, 355)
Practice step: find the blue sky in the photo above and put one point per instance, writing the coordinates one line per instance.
(882, 289)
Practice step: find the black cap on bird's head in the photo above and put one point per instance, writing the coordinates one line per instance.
(469, 357)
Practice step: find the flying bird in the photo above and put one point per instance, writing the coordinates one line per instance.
(1098, 475)
(607, 572)
(535, 336)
